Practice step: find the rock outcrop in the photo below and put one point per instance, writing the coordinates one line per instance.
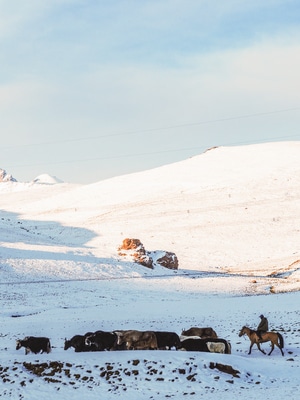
(134, 250)
(169, 260)
(5, 177)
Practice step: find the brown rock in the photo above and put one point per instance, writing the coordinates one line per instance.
(133, 244)
(134, 249)
(169, 260)
(144, 260)
(225, 368)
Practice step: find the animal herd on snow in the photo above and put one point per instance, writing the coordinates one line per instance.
(193, 339)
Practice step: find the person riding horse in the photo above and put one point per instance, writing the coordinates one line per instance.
(262, 327)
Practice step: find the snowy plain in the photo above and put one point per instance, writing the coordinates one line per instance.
(232, 217)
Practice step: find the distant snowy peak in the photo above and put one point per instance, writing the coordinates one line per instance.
(47, 179)
(4, 177)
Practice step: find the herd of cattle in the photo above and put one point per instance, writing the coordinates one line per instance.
(193, 339)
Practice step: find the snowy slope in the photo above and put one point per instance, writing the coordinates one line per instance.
(232, 217)
(229, 210)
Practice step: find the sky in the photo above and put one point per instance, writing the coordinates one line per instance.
(95, 89)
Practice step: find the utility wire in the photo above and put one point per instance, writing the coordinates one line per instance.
(159, 129)
(194, 148)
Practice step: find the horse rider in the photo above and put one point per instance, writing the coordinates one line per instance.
(262, 327)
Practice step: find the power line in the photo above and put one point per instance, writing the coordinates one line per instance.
(202, 147)
(159, 129)
(104, 158)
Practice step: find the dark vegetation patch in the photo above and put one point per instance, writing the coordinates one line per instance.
(118, 377)
(60, 372)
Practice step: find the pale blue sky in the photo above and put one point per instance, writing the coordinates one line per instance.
(91, 89)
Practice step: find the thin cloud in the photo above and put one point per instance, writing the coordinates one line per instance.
(71, 69)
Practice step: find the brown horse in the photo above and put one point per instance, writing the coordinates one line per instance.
(275, 338)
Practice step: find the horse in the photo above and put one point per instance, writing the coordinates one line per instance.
(275, 338)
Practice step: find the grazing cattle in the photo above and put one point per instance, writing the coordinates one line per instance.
(167, 340)
(207, 345)
(101, 340)
(200, 332)
(137, 340)
(116, 345)
(218, 346)
(194, 345)
(34, 344)
(78, 342)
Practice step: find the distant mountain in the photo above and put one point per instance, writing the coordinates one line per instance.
(47, 179)
(43, 178)
(5, 177)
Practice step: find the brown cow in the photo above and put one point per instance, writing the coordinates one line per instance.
(200, 332)
(137, 340)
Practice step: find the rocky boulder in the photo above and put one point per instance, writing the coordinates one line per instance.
(169, 260)
(132, 244)
(134, 250)
(144, 260)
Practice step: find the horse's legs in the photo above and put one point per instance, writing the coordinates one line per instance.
(278, 345)
(258, 346)
(271, 348)
(250, 348)
(281, 351)
(280, 348)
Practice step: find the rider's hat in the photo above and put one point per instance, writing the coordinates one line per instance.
(261, 316)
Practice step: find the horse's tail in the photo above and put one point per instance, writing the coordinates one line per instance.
(281, 341)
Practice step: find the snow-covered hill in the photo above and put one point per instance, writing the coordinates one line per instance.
(47, 179)
(231, 215)
(227, 211)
